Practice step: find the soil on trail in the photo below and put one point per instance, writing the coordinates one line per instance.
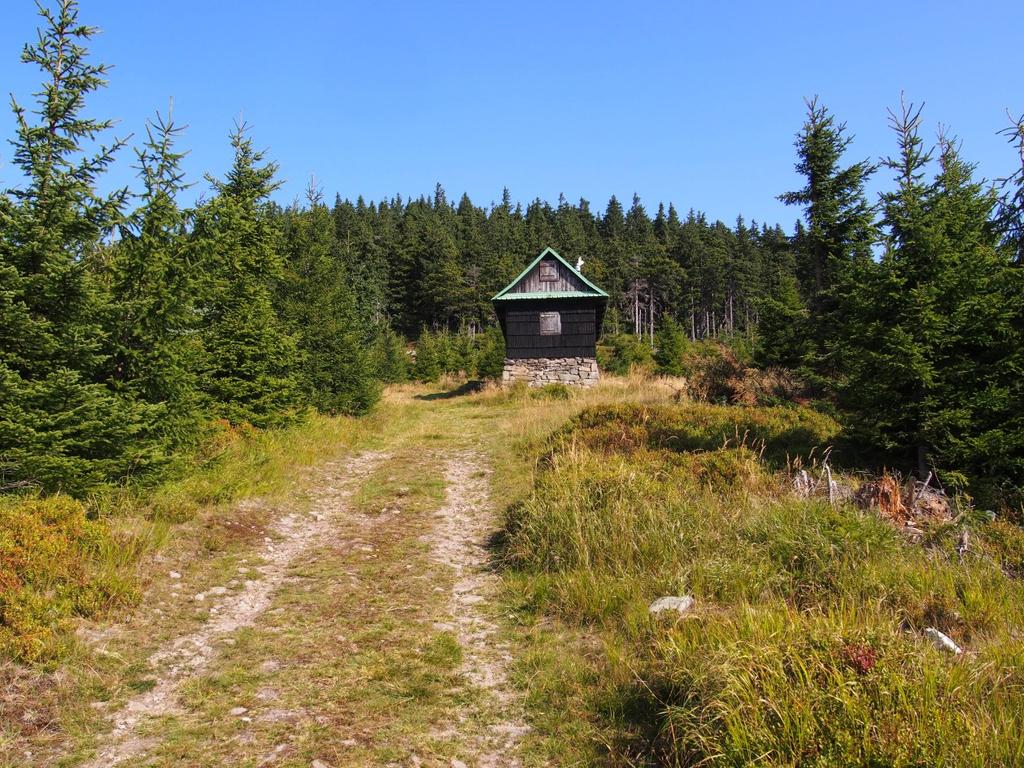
(367, 557)
(459, 541)
(188, 655)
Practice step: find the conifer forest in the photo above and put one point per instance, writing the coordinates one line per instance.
(130, 321)
(148, 332)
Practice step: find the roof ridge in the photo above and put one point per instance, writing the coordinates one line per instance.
(549, 250)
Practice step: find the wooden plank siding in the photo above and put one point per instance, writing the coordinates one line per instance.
(523, 339)
(565, 280)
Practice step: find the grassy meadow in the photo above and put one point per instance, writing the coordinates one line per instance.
(806, 644)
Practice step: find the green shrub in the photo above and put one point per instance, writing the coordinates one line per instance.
(806, 645)
(390, 358)
(429, 359)
(670, 344)
(777, 432)
(491, 358)
(54, 564)
(620, 353)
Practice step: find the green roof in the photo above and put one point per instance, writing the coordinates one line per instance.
(504, 295)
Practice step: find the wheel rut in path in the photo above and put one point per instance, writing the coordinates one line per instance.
(188, 655)
(459, 540)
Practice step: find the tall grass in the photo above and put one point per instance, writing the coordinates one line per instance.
(55, 564)
(62, 558)
(806, 646)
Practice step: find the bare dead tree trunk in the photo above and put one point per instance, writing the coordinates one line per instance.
(650, 313)
(636, 308)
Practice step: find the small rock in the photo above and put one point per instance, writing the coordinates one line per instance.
(319, 764)
(217, 591)
(680, 604)
(174, 575)
(942, 641)
(238, 711)
(200, 597)
(458, 764)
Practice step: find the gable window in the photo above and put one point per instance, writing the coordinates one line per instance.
(548, 272)
(550, 324)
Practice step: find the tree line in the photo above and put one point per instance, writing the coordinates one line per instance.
(429, 262)
(129, 323)
(910, 309)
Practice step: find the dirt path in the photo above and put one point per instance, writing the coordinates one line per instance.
(459, 541)
(188, 655)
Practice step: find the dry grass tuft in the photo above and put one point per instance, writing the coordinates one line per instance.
(806, 646)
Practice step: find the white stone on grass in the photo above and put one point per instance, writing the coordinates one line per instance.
(942, 641)
(670, 603)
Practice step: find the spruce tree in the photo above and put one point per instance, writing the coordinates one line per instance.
(1011, 207)
(888, 325)
(250, 371)
(670, 344)
(931, 337)
(153, 328)
(337, 366)
(427, 366)
(974, 415)
(61, 426)
(840, 224)
(491, 360)
(784, 338)
(391, 360)
(445, 292)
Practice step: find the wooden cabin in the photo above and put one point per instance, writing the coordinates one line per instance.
(551, 317)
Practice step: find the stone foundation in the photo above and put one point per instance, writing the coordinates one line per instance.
(536, 372)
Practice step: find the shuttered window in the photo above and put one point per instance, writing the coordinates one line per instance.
(550, 323)
(548, 272)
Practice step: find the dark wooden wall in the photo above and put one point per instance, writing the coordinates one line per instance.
(521, 325)
(566, 281)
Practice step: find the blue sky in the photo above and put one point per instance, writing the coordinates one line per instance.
(696, 103)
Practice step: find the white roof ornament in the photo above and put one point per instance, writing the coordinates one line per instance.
(579, 264)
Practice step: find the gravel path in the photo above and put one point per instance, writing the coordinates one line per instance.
(188, 655)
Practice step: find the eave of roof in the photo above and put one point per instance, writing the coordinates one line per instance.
(504, 292)
(550, 295)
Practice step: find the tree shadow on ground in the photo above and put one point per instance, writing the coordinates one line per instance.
(474, 385)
